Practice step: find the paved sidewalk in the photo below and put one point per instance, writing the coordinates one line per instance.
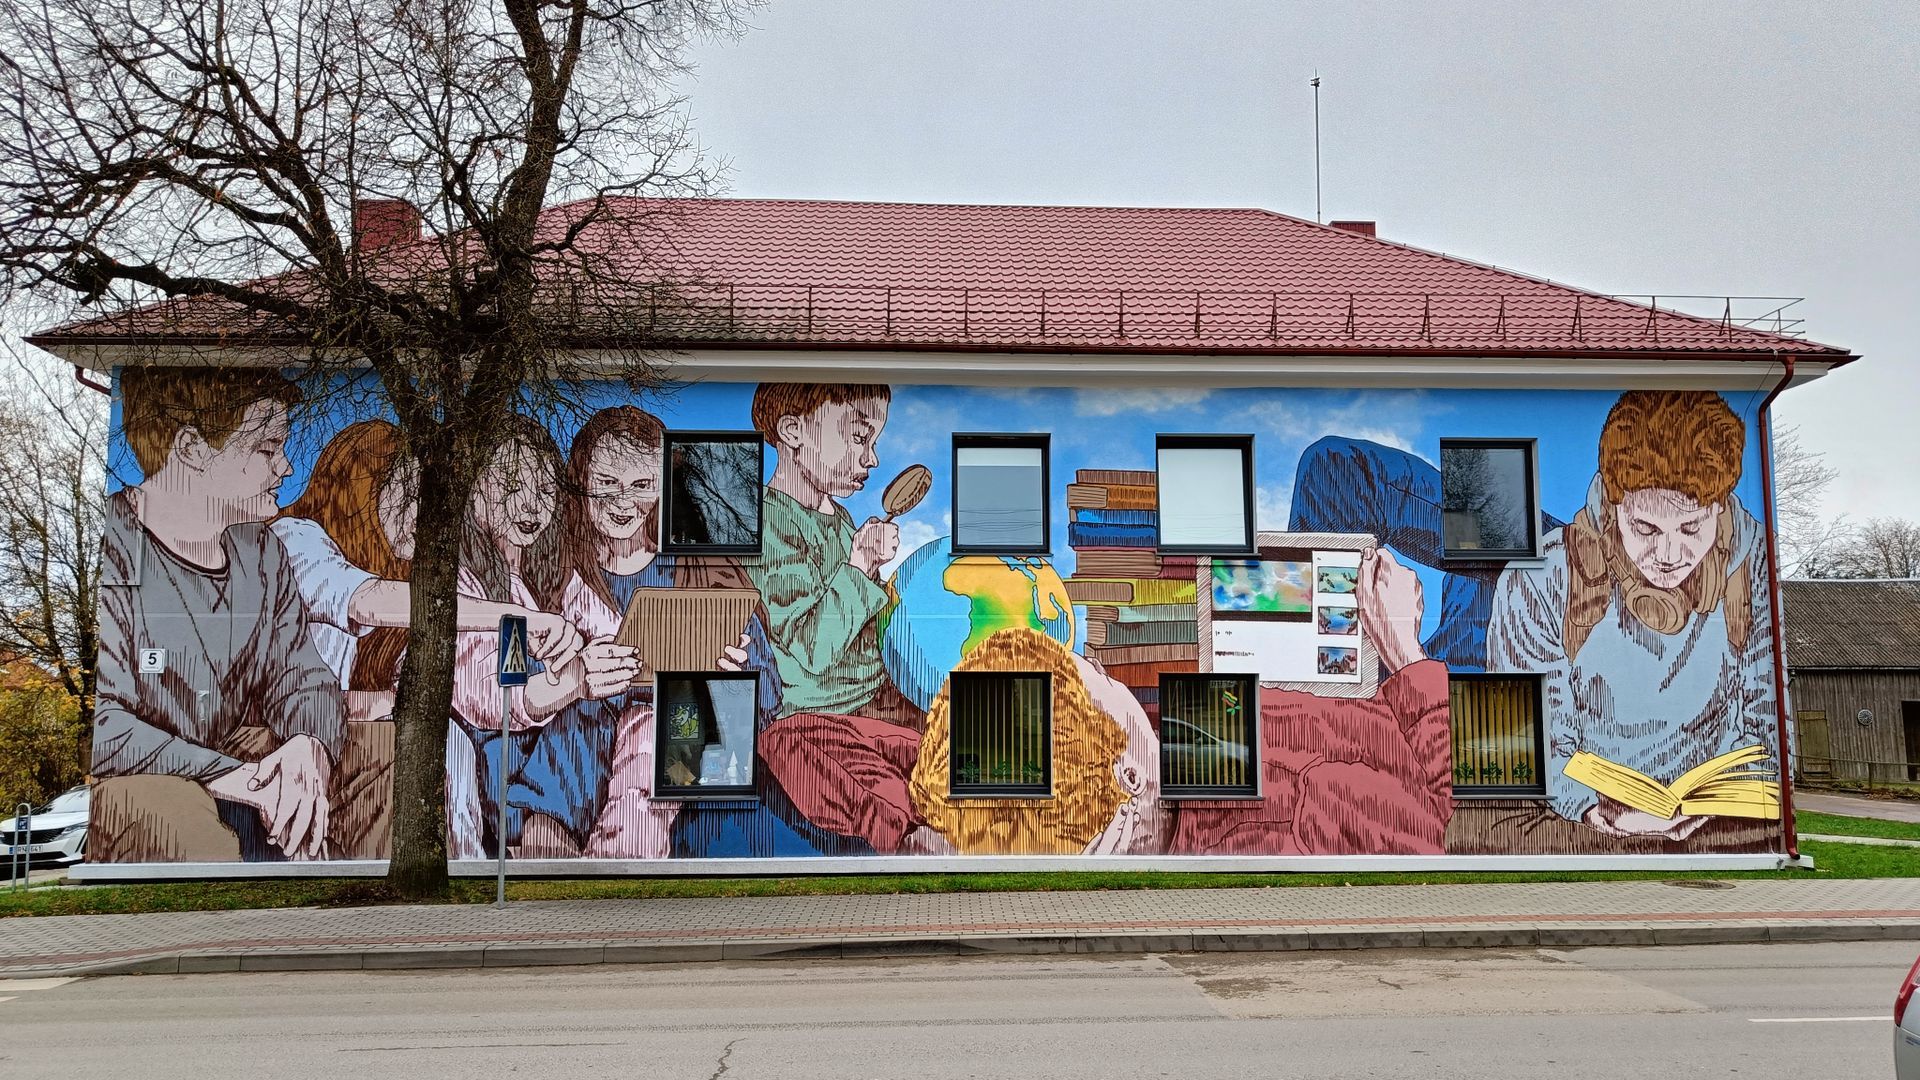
(1907, 810)
(1148, 920)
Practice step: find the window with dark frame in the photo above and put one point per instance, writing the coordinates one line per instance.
(1498, 742)
(1488, 509)
(704, 725)
(1000, 733)
(1204, 486)
(712, 492)
(1000, 489)
(1209, 736)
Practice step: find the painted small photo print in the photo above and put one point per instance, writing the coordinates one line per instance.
(1340, 620)
(1337, 580)
(1339, 661)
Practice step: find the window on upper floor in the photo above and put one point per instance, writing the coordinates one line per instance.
(1000, 504)
(1488, 508)
(1205, 493)
(712, 492)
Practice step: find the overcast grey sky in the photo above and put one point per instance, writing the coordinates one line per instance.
(1627, 147)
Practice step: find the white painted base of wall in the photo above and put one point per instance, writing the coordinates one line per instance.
(95, 873)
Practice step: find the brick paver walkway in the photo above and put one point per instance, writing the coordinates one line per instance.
(1144, 920)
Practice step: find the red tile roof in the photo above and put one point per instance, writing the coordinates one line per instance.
(784, 272)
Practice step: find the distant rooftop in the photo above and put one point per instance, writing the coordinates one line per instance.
(774, 272)
(1852, 624)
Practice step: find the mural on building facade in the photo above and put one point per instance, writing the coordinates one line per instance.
(784, 681)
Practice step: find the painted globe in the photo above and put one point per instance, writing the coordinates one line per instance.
(949, 603)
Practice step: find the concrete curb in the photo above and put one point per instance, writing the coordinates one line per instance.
(1872, 841)
(1547, 934)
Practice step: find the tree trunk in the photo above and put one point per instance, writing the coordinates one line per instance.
(424, 703)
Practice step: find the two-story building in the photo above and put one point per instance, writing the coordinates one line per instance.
(1146, 537)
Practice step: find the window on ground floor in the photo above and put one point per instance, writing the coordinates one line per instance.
(703, 733)
(1000, 725)
(1497, 748)
(1209, 736)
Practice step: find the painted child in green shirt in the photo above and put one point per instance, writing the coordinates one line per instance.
(818, 573)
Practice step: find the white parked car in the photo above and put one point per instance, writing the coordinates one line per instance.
(1906, 1028)
(55, 833)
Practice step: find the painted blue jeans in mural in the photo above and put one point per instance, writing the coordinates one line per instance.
(1354, 486)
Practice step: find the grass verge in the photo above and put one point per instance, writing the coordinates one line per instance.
(1839, 825)
(1834, 861)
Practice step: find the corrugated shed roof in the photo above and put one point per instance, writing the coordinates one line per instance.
(777, 271)
(1852, 624)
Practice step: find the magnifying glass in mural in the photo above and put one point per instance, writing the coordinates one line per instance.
(906, 491)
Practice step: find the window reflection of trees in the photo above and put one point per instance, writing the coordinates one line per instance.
(1483, 498)
(715, 496)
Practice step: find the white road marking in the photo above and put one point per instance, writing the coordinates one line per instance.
(13, 985)
(1820, 1020)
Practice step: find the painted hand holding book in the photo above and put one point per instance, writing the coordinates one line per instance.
(1727, 786)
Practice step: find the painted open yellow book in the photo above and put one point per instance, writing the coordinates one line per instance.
(1727, 786)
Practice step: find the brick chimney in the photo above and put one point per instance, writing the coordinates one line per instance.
(1364, 228)
(379, 223)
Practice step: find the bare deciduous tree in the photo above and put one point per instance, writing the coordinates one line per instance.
(209, 154)
(52, 435)
(1801, 477)
(1882, 548)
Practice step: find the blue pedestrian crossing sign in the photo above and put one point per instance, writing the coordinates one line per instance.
(515, 665)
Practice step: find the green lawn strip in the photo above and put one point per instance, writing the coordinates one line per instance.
(1834, 861)
(1841, 825)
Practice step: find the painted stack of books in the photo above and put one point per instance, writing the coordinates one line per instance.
(1140, 615)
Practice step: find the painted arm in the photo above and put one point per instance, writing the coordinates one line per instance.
(380, 602)
(814, 612)
(1525, 635)
(1384, 800)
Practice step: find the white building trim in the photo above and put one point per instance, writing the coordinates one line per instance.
(95, 873)
(1097, 369)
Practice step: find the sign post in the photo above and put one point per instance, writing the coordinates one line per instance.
(513, 668)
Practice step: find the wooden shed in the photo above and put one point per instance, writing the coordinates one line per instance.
(1853, 663)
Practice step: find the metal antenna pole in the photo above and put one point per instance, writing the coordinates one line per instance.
(1316, 147)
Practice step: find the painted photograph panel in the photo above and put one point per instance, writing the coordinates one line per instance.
(1338, 580)
(1262, 588)
(1339, 661)
(1340, 620)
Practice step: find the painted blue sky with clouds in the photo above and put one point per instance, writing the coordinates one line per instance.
(1115, 429)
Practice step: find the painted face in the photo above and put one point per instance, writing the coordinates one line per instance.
(399, 507)
(836, 445)
(1666, 534)
(514, 499)
(243, 477)
(623, 487)
(1138, 769)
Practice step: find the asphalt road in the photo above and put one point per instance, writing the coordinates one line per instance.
(1620, 1014)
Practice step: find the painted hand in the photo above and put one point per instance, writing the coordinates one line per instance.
(551, 637)
(606, 668)
(1391, 604)
(734, 657)
(1616, 819)
(296, 778)
(873, 544)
